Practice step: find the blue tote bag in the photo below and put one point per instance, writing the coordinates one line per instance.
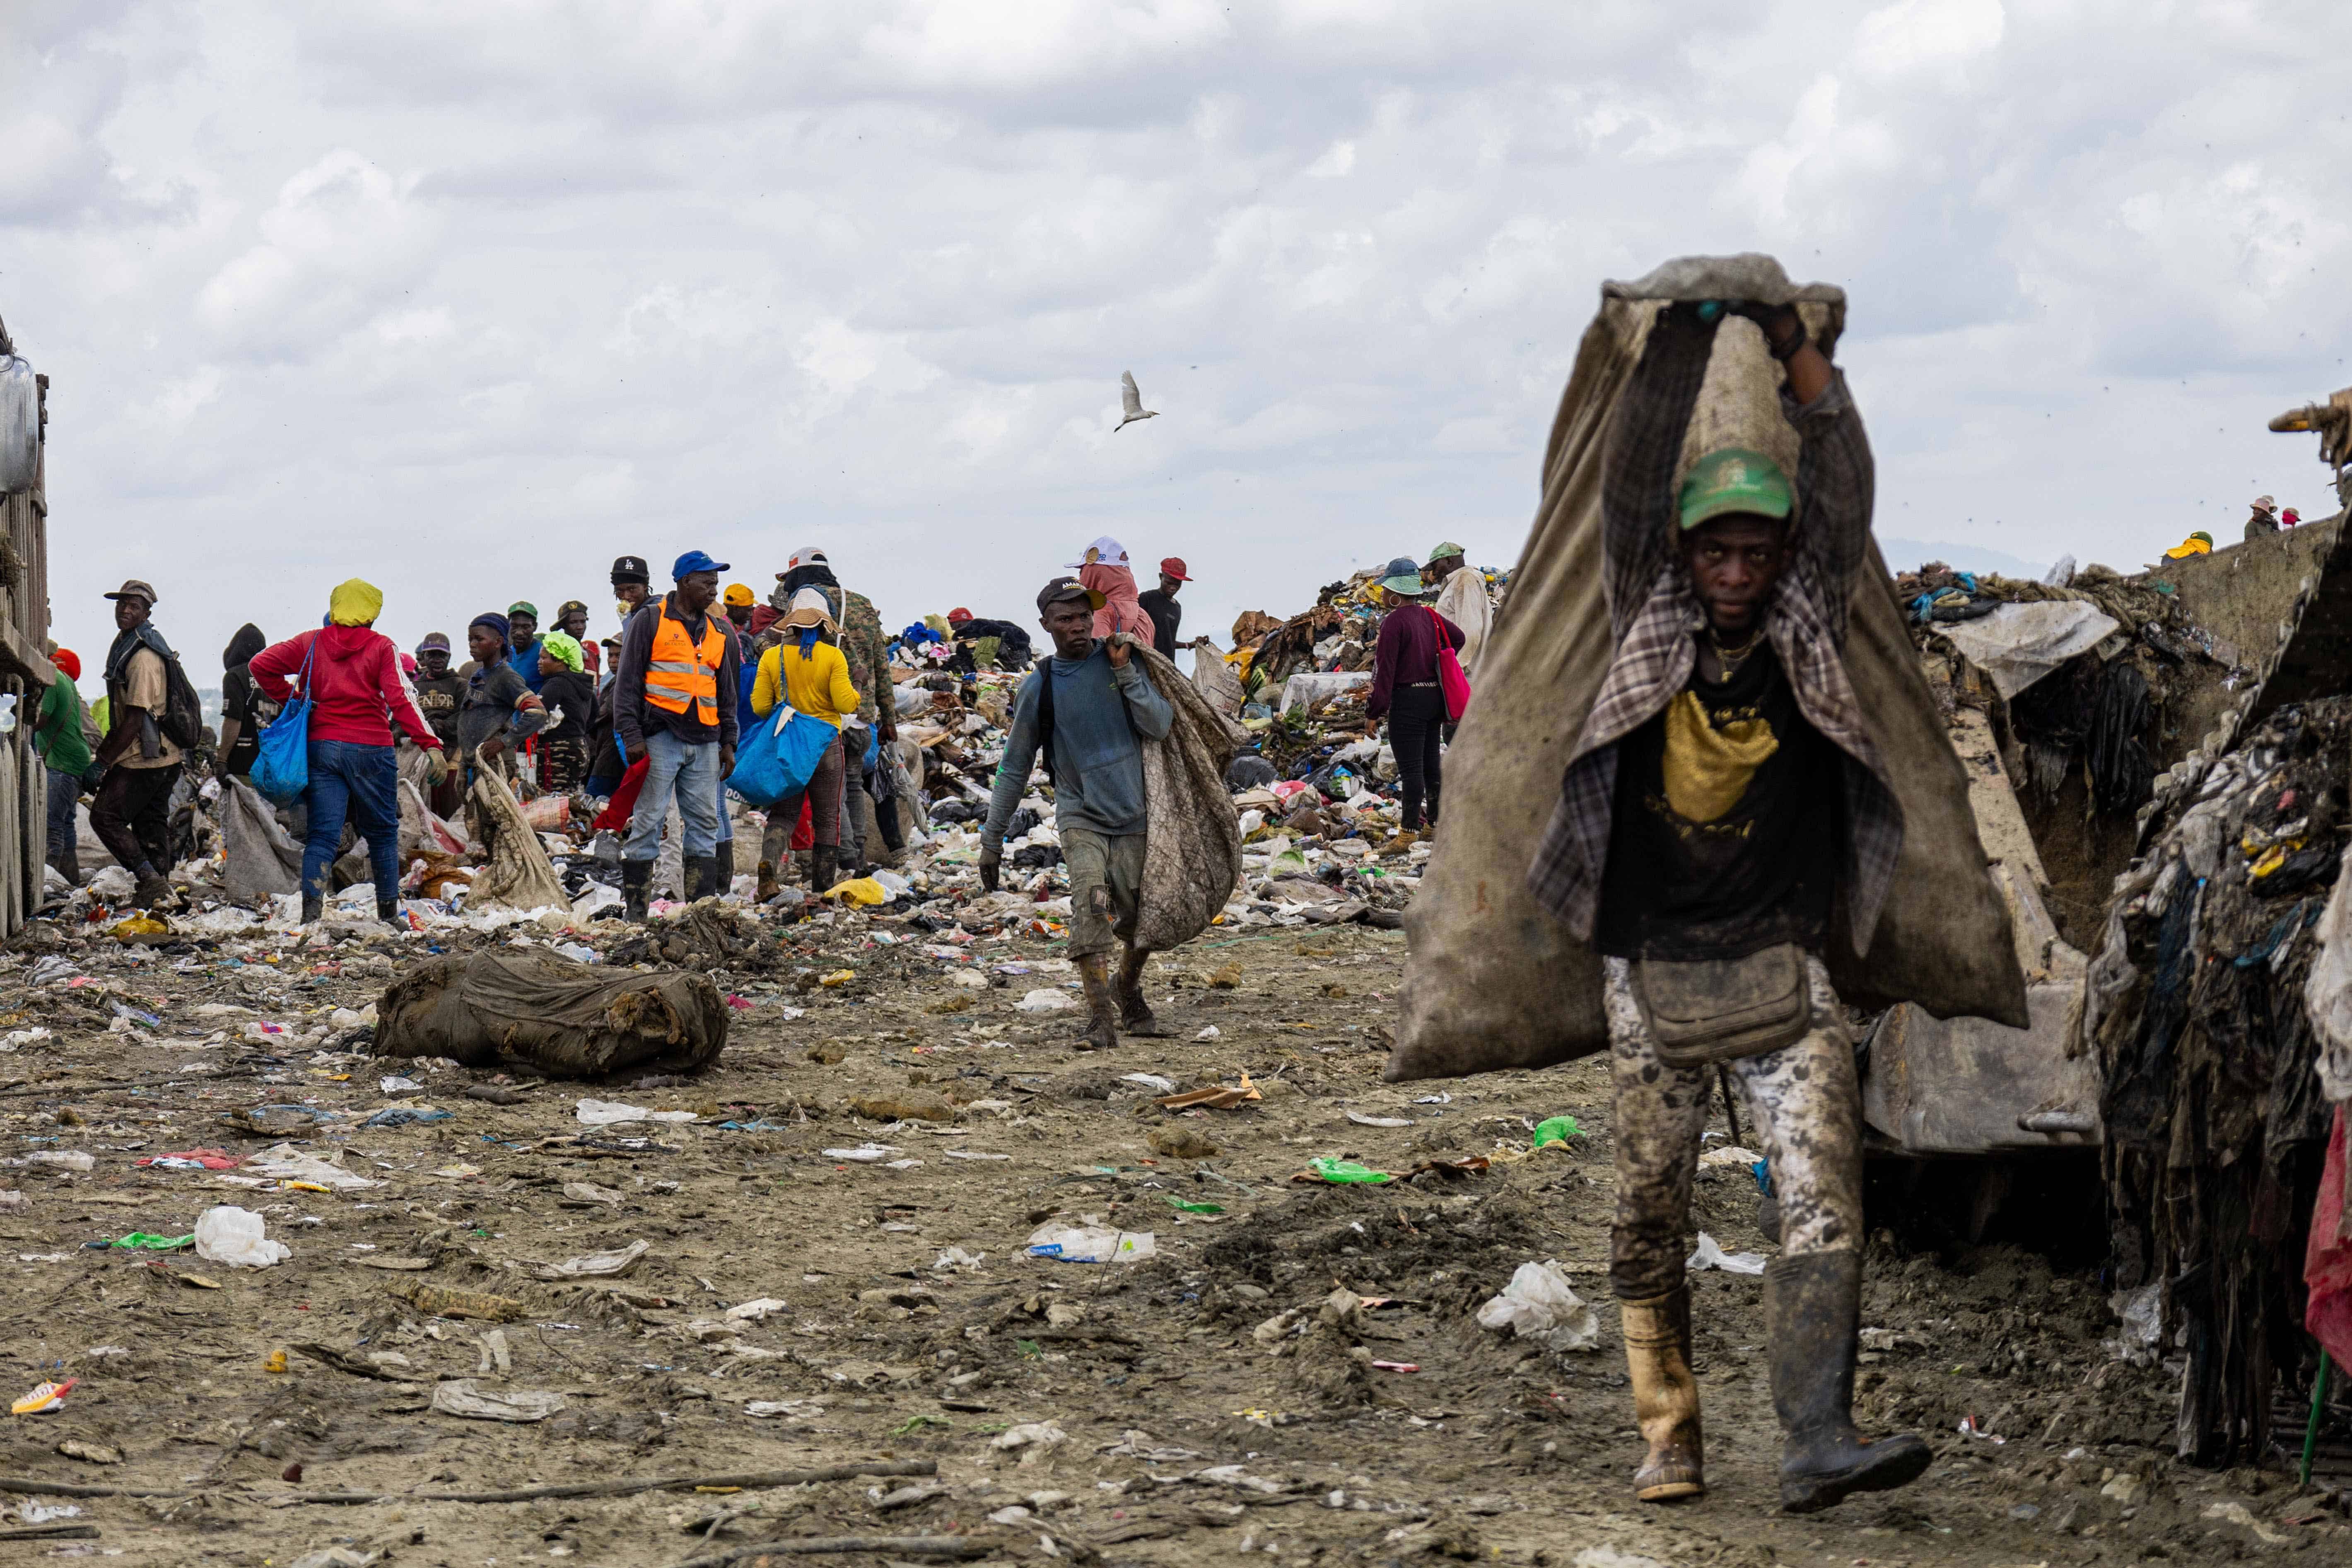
(281, 768)
(779, 758)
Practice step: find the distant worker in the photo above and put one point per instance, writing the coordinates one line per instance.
(675, 706)
(522, 633)
(1090, 707)
(2197, 544)
(2265, 519)
(2289, 518)
(1160, 605)
(132, 812)
(64, 747)
(1014, 648)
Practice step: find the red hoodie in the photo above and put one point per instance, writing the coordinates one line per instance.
(357, 691)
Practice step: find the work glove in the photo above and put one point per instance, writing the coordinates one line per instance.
(991, 861)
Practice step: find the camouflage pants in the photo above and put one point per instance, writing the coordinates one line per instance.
(1803, 1115)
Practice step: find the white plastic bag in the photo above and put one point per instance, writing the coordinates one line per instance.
(1091, 1241)
(233, 1236)
(1045, 1002)
(1710, 1255)
(20, 425)
(1539, 1304)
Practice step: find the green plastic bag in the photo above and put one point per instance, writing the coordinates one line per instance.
(1346, 1172)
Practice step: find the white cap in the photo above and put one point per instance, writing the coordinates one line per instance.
(1105, 551)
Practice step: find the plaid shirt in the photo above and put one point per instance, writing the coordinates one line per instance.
(1656, 620)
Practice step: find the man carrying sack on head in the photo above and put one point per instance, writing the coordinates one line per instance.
(1723, 797)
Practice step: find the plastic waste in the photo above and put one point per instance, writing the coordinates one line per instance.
(406, 1116)
(235, 1237)
(43, 1396)
(864, 1155)
(1556, 1130)
(1346, 1172)
(1046, 1001)
(860, 890)
(61, 1158)
(613, 1113)
(599, 1265)
(1539, 1303)
(140, 1240)
(1091, 1241)
(462, 1396)
(1710, 1255)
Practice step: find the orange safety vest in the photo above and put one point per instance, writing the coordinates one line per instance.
(678, 672)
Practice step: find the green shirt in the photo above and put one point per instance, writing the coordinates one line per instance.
(58, 728)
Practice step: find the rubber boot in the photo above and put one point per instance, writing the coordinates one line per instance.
(1657, 1332)
(313, 906)
(1102, 1005)
(768, 887)
(388, 909)
(1813, 1305)
(634, 876)
(822, 861)
(1135, 1016)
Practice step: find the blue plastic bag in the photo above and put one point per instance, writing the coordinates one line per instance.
(281, 768)
(778, 759)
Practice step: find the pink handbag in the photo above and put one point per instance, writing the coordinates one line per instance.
(1450, 678)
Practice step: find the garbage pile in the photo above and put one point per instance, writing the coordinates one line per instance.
(2216, 1123)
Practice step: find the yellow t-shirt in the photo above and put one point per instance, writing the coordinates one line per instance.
(817, 685)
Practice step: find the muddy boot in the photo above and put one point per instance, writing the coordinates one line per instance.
(1102, 1005)
(698, 868)
(1665, 1396)
(388, 909)
(823, 865)
(1135, 1015)
(634, 876)
(768, 887)
(313, 906)
(1813, 1313)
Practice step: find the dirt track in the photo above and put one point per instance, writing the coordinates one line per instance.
(1182, 1432)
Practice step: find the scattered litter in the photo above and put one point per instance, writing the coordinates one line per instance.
(597, 1265)
(1361, 1120)
(1541, 1304)
(462, 1396)
(235, 1237)
(798, 1409)
(1711, 1255)
(971, 1155)
(1046, 1001)
(1556, 1130)
(1215, 1098)
(865, 1154)
(1211, 1033)
(192, 1159)
(1032, 1439)
(1089, 1241)
(43, 1396)
(756, 1312)
(1341, 1172)
(613, 1113)
(1151, 1080)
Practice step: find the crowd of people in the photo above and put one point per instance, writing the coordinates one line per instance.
(639, 726)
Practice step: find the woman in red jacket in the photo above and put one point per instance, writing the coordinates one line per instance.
(351, 675)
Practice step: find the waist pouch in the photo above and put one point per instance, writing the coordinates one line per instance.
(1719, 1010)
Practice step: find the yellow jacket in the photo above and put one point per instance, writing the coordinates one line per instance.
(817, 685)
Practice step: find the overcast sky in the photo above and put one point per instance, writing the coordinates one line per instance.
(469, 297)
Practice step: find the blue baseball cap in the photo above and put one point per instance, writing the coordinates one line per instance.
(695, 561)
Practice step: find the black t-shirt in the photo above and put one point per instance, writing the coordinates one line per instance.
(1166, 614)
(576, 695)
(242, 701)
(438, 698)
(1724, 837)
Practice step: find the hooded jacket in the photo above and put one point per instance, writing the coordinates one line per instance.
(356, 689)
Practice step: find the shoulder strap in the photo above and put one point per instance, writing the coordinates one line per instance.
(1046, 715)
(1437, 623)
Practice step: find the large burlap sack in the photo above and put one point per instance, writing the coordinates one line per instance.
(565, 1020)
(519, 876)
(258, 858)
(1192, 852)
(1492, 981)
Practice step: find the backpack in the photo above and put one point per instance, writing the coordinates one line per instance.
(183, 719)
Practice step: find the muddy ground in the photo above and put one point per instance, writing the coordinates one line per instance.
(1177, 1431)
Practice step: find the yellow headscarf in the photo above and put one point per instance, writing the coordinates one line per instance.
(354, 603)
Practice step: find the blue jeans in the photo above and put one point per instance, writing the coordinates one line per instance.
(688, 771)
(362, 782)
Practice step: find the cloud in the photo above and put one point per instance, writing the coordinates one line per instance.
(473, 297)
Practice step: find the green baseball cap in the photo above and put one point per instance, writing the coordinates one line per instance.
(1443, 550)
(525, 607)
(1733, 480)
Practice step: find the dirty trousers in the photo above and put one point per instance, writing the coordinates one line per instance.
(1114, 864)
(1804, 1115)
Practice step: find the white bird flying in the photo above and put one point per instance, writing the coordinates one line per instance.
(1134, 402)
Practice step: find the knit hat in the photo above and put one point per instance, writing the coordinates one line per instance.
(354, 603)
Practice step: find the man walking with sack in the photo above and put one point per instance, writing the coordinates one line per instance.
(1088, 709)
(675, 706)
(1723, 798)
